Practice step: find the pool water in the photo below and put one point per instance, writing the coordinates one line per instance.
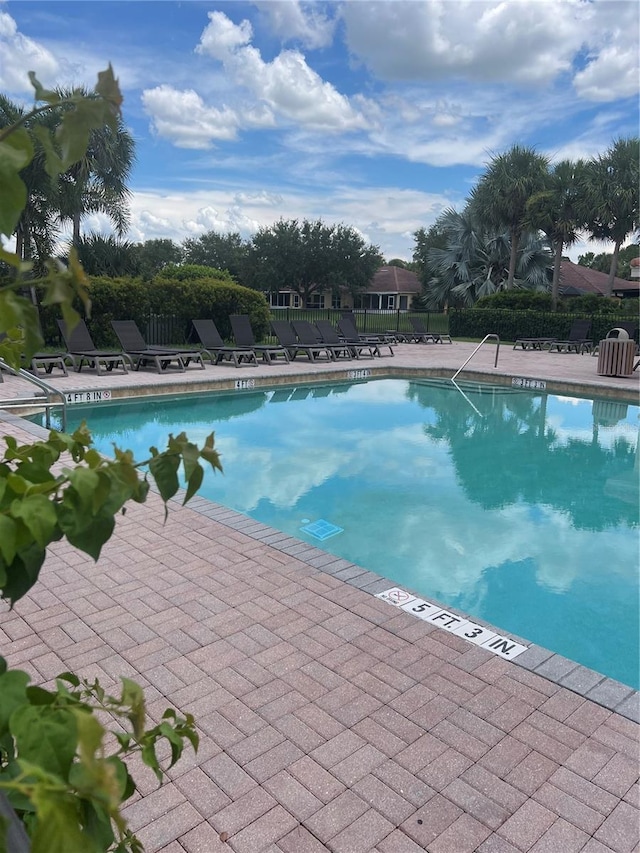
(518, 508)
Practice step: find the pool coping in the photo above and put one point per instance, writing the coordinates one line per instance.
(564, 672)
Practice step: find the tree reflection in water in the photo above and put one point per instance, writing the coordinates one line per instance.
(509, 454)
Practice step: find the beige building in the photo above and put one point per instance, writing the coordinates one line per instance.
(391, 288)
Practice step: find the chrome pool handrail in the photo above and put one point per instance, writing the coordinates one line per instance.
(44, 386)
(486, 338)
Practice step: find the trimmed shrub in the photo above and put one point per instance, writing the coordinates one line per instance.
(190, 272)
(511, 325)
(162, 304)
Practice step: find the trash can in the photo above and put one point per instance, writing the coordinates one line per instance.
(615, 357)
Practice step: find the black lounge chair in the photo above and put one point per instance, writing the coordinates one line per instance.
(288, 339)
(534, 343)
(46, 361)
(213, 345)
(83, 351)
(135, 346)
(355, 348)
(349, 331)
(309, 335)
(577, 340)
(421, 334)
(243, 336)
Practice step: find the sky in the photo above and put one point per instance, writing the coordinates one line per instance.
(378, 115)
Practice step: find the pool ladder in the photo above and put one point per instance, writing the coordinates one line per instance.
(462, 366)
(484, 340)
(41, 401)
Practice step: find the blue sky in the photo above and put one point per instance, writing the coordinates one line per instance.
(378, 115)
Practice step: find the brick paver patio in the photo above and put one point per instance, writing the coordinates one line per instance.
(329, 719)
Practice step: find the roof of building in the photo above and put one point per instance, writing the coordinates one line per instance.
(574, 277)
(394, 280)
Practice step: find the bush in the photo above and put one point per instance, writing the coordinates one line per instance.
(511, 325)
(519, 300)
(189, 272)
(176, 300)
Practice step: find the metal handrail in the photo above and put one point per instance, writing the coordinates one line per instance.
(486, 338)
(44, 386)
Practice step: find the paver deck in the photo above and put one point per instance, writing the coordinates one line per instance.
(329, 719)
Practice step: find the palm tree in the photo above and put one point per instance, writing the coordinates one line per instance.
(556, 212)
(609, 187)
(500, 197)
(36, 228)
(98, 182)
(475, 261)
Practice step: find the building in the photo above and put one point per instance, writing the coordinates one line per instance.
(391, 288)
(576, 280)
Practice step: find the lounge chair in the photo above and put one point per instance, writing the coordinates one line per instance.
(355, 348)
(309, 335)
(577, 340)
(83, 351)
(215, 347)
(135, 346)
(288, 339)
(421, 334)
(46, 361)
(243, 336)
(349, 331)
(534, 343)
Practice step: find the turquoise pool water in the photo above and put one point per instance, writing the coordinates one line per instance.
(518, 508)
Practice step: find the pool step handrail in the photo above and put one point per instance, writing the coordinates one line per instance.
(486, 338)
(44, 401)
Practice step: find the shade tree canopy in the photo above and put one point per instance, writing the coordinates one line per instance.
(310, 257)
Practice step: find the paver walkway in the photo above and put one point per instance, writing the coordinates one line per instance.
(330, 720)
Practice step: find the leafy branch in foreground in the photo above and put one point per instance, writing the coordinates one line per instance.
(56, 771)
(39, 505)
(54, 767)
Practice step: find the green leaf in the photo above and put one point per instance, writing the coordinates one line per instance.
(193, 483)
(46, 737)
(13, 690)
(23, 572)
(58, 824)
(84, 481)
(7, 538)
(91, 538)
(164, 469)
(38, 514)
(42, 94)
(16, 152)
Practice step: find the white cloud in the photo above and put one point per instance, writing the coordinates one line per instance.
(20, 55)
(613, 74)
(184, 119)
(286, 85)
(481, 41)
(296, 21)
(506, 43)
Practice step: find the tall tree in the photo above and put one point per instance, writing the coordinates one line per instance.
(98, 182)
(220, 251)
(475, 259)
(154, 255)
(556, 211)
(35, 231)
(610, 190)
(501, 195)
(311, 257)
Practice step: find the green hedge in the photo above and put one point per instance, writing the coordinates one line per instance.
(166, 303)
(510, 325)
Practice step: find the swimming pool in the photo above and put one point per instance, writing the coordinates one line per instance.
(518, 508)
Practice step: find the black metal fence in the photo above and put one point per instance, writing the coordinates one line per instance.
(168, 329)
(469, 323)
